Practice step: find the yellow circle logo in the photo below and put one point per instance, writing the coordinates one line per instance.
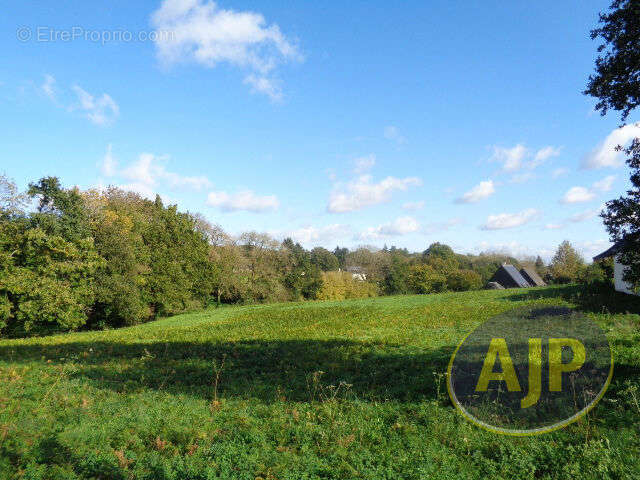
(530, 371)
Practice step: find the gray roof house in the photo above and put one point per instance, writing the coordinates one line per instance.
(531, 276)
(509, 277)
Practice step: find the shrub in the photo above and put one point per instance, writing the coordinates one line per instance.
(342, 285)
(598, 275)
(462, 280)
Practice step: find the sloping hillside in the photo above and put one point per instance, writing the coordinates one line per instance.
(351, 389)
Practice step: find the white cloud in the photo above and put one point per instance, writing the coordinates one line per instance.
(441, 226)
(141, 171)
(583, 194)
(605, 154)
(265, 85)
(175, 180)
(522, 177)
(100, 110)
(513, 249)
(605, 184)
(510, 158)
(392, 133)
(481, 191)
(590, 248)
(544, 154)
(578, 195)
(412, 206)
(586, 215)
(319, 235)
(243, 200)
(510, 220)
(364, 164)
(577, 218)
(361, 192)
(400, 226)
(109, 163)
(559, 172)
(48, 87)
(147, 173)
(201, 32)
(143, 189)
(513, 159)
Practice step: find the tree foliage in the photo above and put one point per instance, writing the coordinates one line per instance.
(616, 85)
(110, 258)
(566, 264)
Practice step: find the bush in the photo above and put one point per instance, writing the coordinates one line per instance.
(598, 275)
(342, 285)
(462, 280)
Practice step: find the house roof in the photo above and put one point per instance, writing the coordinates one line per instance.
(610, 252)
(509, 277)
(531, 276)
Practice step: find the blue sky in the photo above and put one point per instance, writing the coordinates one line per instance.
(336, 123)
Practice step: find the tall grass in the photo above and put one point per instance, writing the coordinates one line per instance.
(328, 389)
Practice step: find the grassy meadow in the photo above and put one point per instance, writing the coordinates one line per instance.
(326, 389)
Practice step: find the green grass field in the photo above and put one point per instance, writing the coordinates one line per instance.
(351, 389)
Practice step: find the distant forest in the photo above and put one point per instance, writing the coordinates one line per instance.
(97, 259)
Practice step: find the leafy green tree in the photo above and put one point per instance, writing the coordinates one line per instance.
(12, 201)
(341, 255)
(261, 274)
(60, 212)
(324, 259)
(303, 276)
(396, 275)
(118, 220)
(566, 264)
(463, 280)
(616, 85)
(425, 279)
(598, 274)
(178, 278)
(47, 264)
(616, 82)
(439, 250)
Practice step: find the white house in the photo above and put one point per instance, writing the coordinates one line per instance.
(357, 273)
(618, 269)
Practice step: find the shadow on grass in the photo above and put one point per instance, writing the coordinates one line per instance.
(268, 370)
(594, 300)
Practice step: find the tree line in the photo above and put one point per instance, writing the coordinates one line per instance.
(73, 259)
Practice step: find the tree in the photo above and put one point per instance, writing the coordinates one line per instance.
(566, 264)
(341, 255)
(439, 250)
(302, 277)
(395, 281)
(616, 85)
(60, 212)
(48, 262)
(424, 279)
(324, 259)
(12, 202)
